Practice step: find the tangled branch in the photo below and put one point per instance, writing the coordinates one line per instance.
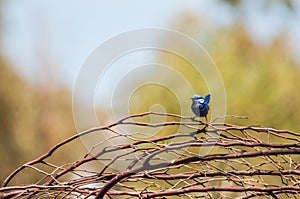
(135, 157)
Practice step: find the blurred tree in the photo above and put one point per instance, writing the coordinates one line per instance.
(32, 120)
(9, 149)
(287, 3)
(261, 81)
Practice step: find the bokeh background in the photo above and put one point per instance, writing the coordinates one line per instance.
(255, 45)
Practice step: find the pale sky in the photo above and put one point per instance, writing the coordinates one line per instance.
(65, 32)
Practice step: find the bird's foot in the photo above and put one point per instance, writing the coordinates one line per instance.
(194, 119)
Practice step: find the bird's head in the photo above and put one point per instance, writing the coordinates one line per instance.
(198, 98)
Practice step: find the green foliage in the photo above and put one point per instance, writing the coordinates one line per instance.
(287, 3)
(261, 82)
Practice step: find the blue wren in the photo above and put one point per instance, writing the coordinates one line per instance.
(200, 105)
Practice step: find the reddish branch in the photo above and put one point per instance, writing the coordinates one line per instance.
(188, 160)
(234, 149)
(177, 192)
(191, 175)
(218, 189)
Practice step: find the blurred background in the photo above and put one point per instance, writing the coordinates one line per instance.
(255, 45)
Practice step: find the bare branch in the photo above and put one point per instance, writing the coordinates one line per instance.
(184, 158)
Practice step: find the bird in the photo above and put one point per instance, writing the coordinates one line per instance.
(200, 105)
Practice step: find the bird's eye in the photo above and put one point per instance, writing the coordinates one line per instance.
(201, 101)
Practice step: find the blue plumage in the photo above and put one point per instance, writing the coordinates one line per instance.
(200, 105)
